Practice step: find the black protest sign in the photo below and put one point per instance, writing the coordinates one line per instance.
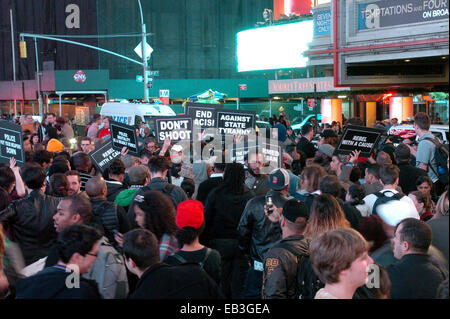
(103, 156)
(272, 154)
(177, 128)
(203, 116)
(11, 144)
(235, 122)
(358, 138)
(124, 135)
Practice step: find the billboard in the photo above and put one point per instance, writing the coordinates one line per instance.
(274, 47)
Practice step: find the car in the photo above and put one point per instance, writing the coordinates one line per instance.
(297, 127)
(407, 131)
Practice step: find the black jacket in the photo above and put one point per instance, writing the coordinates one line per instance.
(257, 184)
(31, 223)
(206, 187)
(352, 214)
(408, 176)
(256, 232)
(415, 277)
(114, 188)
(223, 211)
(186, 281)
(280, 268)
(307, 147)
(50, 283)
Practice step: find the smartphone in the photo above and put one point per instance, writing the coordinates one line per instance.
(115, 231)
(269, 204)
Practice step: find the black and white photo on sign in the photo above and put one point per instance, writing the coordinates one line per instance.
(176, 128)
(358, 138)
(124, 136)
(104, 156)
(236, 122)
(11, 144)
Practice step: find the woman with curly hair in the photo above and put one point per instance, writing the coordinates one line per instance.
(155, 211)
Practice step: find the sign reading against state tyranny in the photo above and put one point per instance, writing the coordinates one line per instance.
(102, 157)
(358, 138)
(177, 128)
(124, 135)
(235, 122)
(11, 143)
(203, 115)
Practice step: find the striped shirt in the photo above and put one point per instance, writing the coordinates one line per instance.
(84, 178)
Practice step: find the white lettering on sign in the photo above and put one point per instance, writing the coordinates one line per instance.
(203, 114)
(175, 135)
(10, 138)
(174, 125)
(73, 19)
(237, 118)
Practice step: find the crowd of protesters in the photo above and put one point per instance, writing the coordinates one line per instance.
(323, 225)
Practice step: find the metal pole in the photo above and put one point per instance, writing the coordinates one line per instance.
(60, 107)
(239, 97)
(12, 46)
(38, 77)
(144, 54)
(270, 111)
(315, 108)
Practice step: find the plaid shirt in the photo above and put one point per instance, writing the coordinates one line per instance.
(168, 245)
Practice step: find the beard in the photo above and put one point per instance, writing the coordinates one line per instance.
(252, 172)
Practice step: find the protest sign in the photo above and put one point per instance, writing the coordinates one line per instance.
(103, 156)
(177, 128)
(11, 144)
(271, 152)
(124, 135)
(359, 138)
(235, 122)
(203, 116)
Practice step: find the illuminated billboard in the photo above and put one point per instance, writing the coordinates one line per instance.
(273, 47)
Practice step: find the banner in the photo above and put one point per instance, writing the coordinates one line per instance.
(387, 13)
(124, 135)
(235, 122)
(322, 22)
(177, 128)
(102, 157)
(359, 138)
(202, 116)
(271, 152)
(11, 144)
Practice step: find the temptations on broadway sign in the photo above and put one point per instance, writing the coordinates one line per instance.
(303, 85)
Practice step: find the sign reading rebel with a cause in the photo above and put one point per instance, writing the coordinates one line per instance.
(103, 156)
(11, 144)
(124, 135)
(358, 138)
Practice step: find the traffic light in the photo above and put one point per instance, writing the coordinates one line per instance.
(23, 49)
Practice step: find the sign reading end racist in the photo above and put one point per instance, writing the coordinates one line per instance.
(235, 122)
(203, 115)
(103, 156)
(11, 144)
(358, 138)
(177, 128)
(124, 135)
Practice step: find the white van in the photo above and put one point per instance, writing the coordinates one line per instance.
(135, 113)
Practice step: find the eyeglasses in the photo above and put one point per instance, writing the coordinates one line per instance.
(95, 255)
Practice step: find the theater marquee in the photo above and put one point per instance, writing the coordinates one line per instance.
(303, 85)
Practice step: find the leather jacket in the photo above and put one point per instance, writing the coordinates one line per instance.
(30, 221)
(256, 232)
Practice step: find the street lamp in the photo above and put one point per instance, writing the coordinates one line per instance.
(144, 54)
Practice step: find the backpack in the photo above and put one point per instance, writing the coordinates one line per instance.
(107, 219)
(383, 199)
(441, 157)
(168, 188)
(184, 261)
(308, 283)
(109, 272)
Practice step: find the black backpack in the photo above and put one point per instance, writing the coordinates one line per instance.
(201, 263)
(308, 283)
(383, 199)
(441, 157)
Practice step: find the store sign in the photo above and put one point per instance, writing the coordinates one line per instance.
(124, 136)
(79, 76)
(303, 85)
(322, 22)
(358, 138)
(177, 128)
(102, 157)
(235, 122)
(387, 13)
(11, 144)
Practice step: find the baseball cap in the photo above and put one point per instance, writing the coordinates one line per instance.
(189, 214)
(137, 174)
(55, 146)
(394, 211)
(328, 133)
(327, 149)
(278, 179)
(294, 209)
